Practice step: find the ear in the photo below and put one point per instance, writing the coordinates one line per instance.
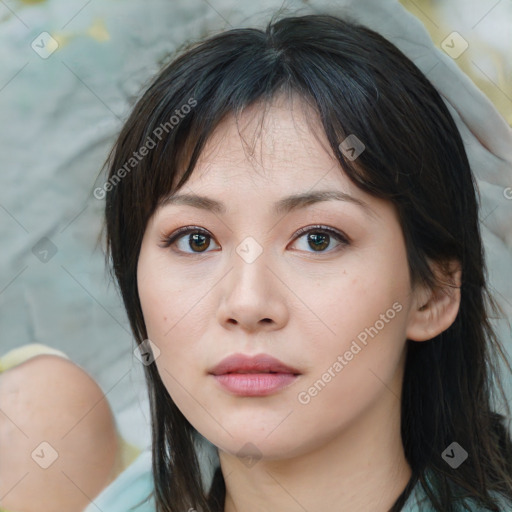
(435, 310)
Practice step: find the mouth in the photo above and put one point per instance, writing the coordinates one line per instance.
(259, 375)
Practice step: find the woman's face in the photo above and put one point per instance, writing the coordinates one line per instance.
(335, 309)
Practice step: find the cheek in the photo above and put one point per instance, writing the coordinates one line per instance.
(170, 299)
(174, 315)
(366, 303)
(360, 352)
(172, 324)
(353, 371)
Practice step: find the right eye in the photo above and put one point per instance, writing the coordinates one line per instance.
(198, 240)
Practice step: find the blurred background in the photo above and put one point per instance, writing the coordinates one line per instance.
(71, 71)
(487, 28)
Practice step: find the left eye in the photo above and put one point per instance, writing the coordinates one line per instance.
(317, 237)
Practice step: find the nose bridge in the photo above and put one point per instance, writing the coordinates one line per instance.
(250, 297)
(250, 270)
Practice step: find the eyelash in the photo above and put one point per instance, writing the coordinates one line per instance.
(168, 241)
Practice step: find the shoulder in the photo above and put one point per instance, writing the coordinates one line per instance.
(131, 491)
(504, 505)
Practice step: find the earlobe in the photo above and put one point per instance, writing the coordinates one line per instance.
(435, 310)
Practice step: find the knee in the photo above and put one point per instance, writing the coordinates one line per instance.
(58, 440)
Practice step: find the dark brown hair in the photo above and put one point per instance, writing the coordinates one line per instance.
(358, 83)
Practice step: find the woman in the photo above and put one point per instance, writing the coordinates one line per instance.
(414, 405)
(292, 222)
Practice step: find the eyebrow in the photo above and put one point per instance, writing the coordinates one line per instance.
(284, 205)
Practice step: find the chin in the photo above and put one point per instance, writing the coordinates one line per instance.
(257, 445)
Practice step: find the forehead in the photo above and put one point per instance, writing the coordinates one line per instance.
(283, 142)
(276, 154)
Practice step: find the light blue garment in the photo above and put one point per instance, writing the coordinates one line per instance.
(132, 486)
(135, 483)
(418, 502)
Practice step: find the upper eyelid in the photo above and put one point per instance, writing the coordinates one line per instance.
(320, 227)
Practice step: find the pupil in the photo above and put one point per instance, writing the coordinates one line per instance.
(321, 240)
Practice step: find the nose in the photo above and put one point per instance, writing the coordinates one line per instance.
(253, 297)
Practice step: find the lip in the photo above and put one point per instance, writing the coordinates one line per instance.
(261, 363)
(245, 375)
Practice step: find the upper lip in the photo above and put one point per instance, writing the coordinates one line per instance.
(261, 363)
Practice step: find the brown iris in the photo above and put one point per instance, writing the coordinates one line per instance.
(199, 239)
(321, 240)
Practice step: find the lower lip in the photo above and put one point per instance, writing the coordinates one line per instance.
(254, 384)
